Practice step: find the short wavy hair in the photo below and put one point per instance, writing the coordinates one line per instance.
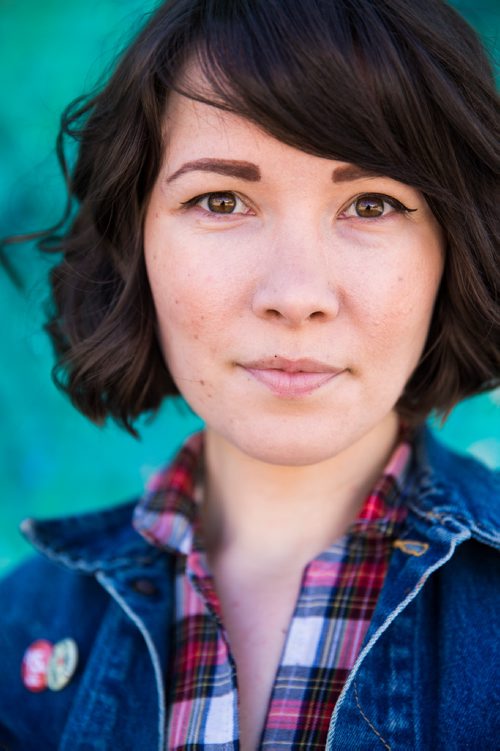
(400, 87)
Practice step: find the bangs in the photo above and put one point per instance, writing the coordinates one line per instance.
(334, 79)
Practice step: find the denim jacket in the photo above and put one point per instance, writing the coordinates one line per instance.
(426, 677)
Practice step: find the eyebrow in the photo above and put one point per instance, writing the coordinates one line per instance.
(250, 172)
(228, 167)
(351, 172)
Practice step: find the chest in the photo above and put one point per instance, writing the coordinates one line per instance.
(249, 648)
(257, 628)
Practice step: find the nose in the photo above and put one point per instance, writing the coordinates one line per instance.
(296, 282)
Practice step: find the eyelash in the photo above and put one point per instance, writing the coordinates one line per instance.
(389, 200)
(398, 207)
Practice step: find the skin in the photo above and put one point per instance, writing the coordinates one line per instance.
(293, 270)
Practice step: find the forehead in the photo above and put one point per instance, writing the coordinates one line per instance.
(198, 135)
(188, 121)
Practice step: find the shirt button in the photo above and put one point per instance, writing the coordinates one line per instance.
(144, 587)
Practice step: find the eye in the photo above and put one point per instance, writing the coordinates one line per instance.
(374, 205)
(223, 202)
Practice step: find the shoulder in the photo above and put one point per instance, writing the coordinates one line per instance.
(59, 595)
(45, 601)
(42, 601)
(458, 488)
(73, 550)
(62, 586)
(38, 588)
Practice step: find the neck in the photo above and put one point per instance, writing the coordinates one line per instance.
(286, 515)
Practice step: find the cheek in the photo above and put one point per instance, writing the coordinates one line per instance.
(177, 291)
(181, 316)
(190, 321)
(198, 300)
(396, 306)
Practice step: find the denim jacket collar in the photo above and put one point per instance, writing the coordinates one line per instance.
(91, 542)
(456, 489)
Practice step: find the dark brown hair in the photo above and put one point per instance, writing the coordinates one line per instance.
(400, 87)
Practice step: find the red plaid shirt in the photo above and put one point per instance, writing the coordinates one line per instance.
(338, 594)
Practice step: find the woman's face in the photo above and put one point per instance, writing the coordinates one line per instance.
(293, 293)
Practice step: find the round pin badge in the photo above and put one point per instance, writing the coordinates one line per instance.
(35, 664)
(62, 664)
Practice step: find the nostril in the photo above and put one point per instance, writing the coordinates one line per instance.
(295, 301)
(273, 313)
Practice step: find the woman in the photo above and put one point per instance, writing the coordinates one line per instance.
(286, 212)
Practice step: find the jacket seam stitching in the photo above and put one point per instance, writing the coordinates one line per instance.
(365, 718)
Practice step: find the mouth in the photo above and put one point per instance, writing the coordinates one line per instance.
(291, 379)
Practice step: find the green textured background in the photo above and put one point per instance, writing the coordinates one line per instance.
(52, 460)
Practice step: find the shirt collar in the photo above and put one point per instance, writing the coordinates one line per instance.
(384, 507)
(166, 514)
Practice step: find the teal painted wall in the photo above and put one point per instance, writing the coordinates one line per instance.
(52, 460)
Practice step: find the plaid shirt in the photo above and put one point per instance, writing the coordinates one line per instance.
(338, 594)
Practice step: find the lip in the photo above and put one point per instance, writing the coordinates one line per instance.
(290, 379)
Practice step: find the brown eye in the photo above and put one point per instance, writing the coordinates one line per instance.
(369, 206)
(221, 203)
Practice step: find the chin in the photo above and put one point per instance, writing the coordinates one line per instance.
(290, 455)
(290, 450)
(315, 440)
